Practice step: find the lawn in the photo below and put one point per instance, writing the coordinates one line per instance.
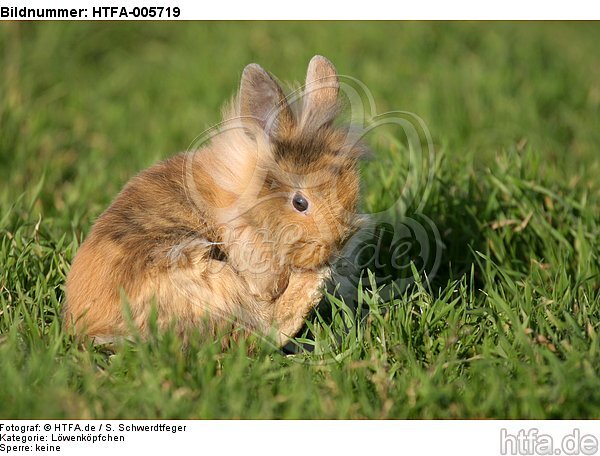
(505, 322)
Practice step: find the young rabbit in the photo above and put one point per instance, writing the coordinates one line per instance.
(239, 234)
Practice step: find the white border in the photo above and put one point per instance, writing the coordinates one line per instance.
(348, 10)
(464, 438)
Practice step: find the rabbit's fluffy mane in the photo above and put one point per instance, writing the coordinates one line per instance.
(242, 156)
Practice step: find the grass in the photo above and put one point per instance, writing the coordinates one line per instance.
(506, 328)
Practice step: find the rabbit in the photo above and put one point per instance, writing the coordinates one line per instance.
(236, 236)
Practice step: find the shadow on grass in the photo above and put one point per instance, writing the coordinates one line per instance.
(498, 213)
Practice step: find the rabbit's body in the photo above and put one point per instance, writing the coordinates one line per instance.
(143, 248)
(220, 238)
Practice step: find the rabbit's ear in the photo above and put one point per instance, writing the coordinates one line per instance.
(263, 101)
(320, 92)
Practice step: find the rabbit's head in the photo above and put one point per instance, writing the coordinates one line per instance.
(287, 170)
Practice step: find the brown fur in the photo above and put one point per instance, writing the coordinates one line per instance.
(210, 238)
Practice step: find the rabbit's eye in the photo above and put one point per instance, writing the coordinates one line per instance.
(299, 202)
